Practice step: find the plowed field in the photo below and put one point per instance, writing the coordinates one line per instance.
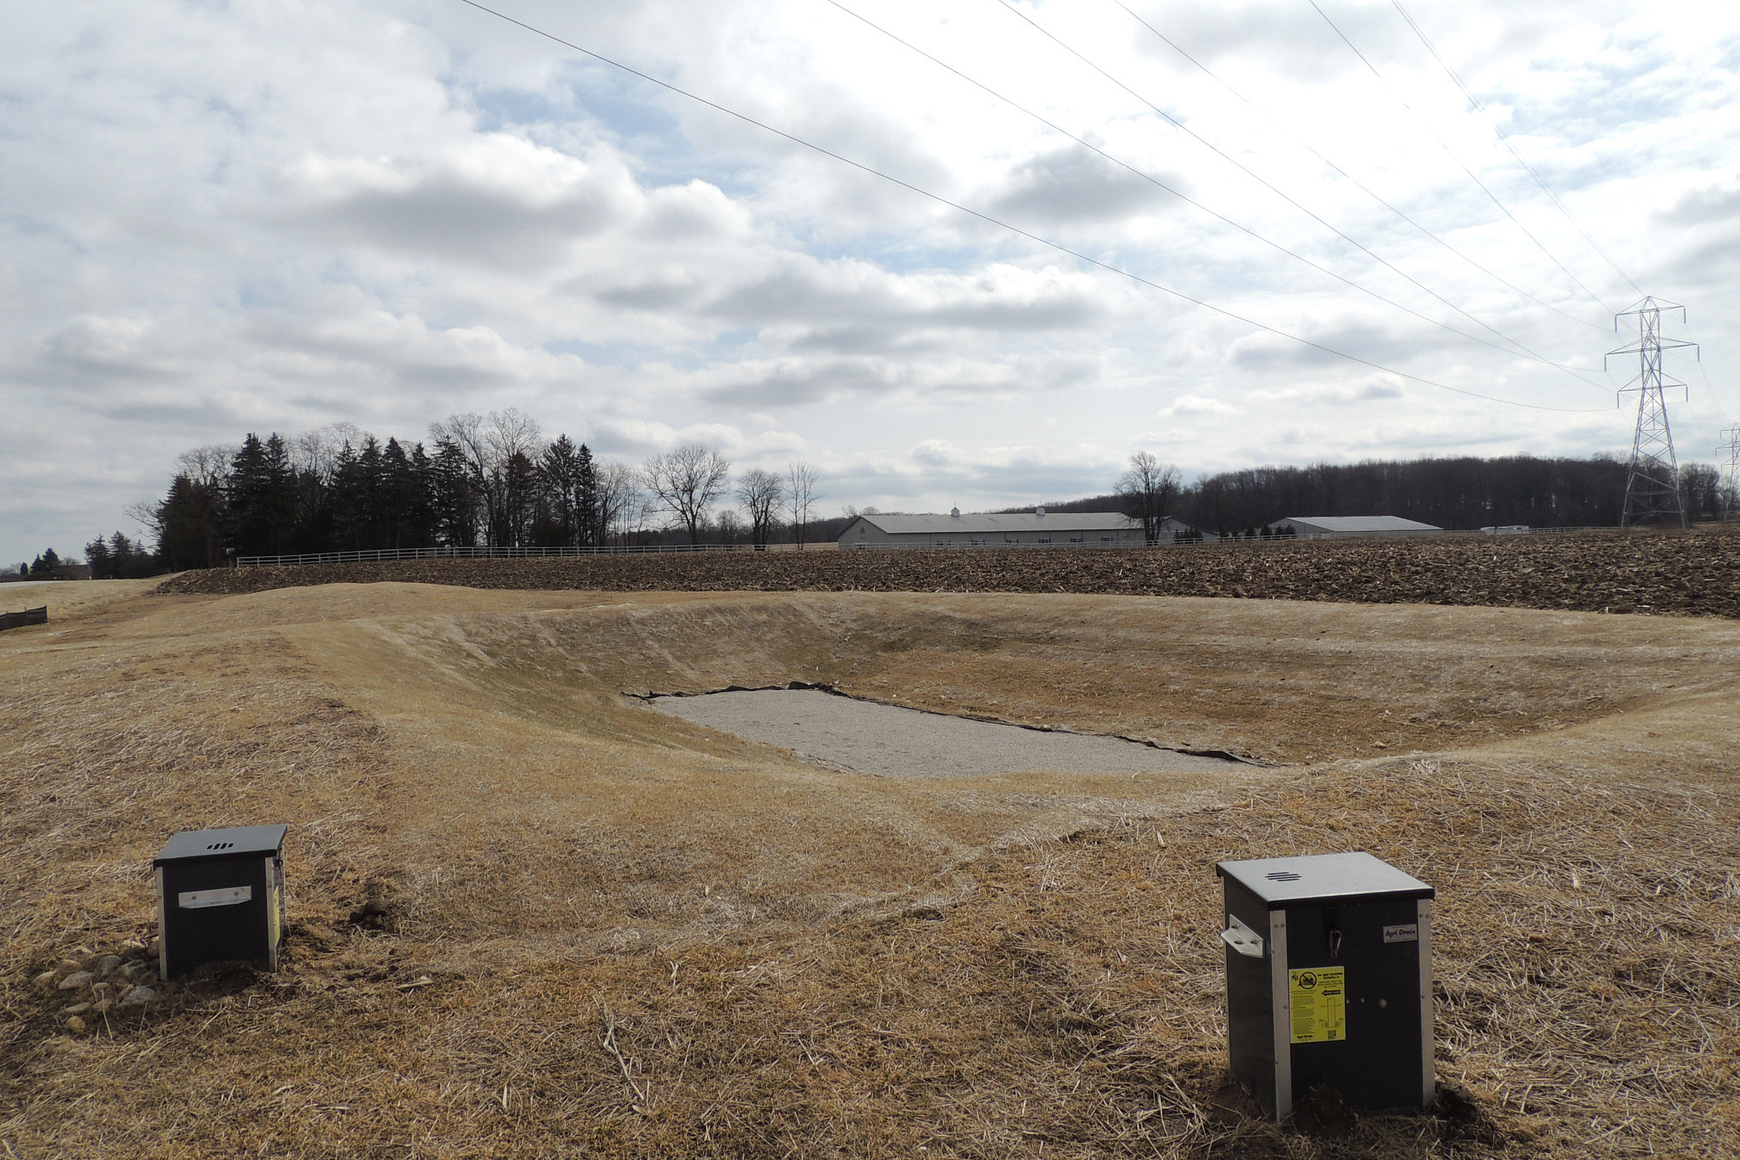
(1695, 574)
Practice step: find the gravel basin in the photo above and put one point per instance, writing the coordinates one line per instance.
(890, 741)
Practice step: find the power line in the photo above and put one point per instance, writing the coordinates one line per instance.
(1014, 229)
(1151, 179)
(1360, 185)
(1242, 167)
(1520, 159)
(1471, 176)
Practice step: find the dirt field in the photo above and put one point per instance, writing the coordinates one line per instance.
(531, 918)
(1696, 573)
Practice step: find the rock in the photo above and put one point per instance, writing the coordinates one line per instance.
(77, 1009)
(109, 964)
(138, 997)
(101, 990)
(45, 980)
(132, 946)
(75, 980)
(102, 1006)
(68, 966)
(75, 1025)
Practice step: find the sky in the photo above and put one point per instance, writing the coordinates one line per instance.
(221, 218)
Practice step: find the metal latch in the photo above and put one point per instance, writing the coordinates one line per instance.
(1242, 938)
(228, 896)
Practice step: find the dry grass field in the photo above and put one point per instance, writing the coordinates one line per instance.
(532, 918)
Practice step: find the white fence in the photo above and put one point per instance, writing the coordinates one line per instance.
(499, 552)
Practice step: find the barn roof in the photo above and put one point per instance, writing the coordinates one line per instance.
(1353, 525)
(997, 523)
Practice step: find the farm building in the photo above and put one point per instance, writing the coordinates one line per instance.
(1319, 527)
(1036, 529)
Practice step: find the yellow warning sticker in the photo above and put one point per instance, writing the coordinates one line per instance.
(1319, 997)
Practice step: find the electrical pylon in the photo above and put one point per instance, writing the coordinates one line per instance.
(1652, 483)
(1730, 471)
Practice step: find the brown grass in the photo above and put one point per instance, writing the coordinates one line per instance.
(610, 931)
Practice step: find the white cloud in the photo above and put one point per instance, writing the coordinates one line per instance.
(1197, 405)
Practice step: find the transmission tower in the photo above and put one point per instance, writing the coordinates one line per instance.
(1652, 484)
(1731, 471)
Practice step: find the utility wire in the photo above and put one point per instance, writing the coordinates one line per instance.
(1367, 190)
(1014, 229)
(1520, 159)
(1151, 179)
(1049, 35)
(1448, 151)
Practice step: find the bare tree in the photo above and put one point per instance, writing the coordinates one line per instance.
(619, 498)
(208, 466)
(1149, 488)
(728, 526)
(685, 482)
(800, 497)
(315, 453)
(760, 492)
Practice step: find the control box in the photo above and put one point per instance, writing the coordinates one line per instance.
(1329, 980)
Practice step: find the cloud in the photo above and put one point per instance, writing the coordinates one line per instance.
(494, 199)
(1076, 188)
(1197, 405)
(1369, 389)
(259, 217)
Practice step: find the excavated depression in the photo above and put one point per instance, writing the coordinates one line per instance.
(891, 741)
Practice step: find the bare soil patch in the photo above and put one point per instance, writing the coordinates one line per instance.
(1694, 574)
(529, 919)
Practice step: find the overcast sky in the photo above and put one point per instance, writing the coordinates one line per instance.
(270, 216)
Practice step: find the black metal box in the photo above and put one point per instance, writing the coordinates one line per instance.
(220, 898)
(1329, 980)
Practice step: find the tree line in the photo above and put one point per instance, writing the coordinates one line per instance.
(1458, 493)
(479, 481)
(495, 480)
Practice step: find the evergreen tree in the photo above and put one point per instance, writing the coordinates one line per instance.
(261, 494)
(588, 533)
(454, 495)
(565, 474)
(190, 524)
(97, 556)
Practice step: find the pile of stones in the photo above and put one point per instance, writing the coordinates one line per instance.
(94, 984)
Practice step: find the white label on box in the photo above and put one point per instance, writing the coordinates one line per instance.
(227, 896)
(1402, 932)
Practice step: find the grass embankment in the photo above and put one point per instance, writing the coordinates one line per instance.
(599, 928)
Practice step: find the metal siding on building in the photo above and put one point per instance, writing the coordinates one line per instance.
(994, 530)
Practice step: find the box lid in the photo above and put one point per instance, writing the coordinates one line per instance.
(1322, 878)
(237, 842)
